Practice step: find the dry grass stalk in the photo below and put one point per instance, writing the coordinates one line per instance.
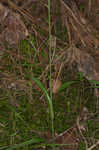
(79, 24)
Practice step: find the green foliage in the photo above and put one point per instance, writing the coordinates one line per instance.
(48, 99)
(31, 141)
(26, 112)
(66, 85)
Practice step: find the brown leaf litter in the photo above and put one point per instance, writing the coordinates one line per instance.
(12, 27)
(80, 61)
(70, 139)
(79, 28)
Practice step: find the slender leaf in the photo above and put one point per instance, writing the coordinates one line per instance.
(66, 85)
(32, 141)
(94, 81)
(48, 99)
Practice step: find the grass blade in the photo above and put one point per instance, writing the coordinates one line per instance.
(48, 99)
(32, 141)
(66, 85)
(94, 81)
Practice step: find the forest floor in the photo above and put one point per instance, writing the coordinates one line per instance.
(49, 63)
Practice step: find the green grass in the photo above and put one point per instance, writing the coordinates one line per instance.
(30, 114)
(19, 125)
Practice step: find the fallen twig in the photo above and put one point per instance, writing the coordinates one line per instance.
(93, 146)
